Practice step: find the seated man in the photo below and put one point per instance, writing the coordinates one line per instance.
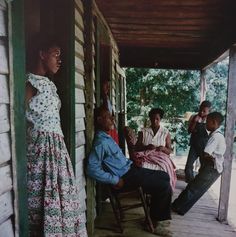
(107, 164)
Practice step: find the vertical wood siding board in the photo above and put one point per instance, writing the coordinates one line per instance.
(4, 90)
(6, 229)
(79, 111)
(4, 118)
(79, 64)
(6, 206)
(5, 149)
(89, 67)
(79, 80)
(4, 69)
(3, 23)
(79, 124)
(80, 138)
(6, 179)
(79, 94)
(80, 153)
(79, 5)
(79, 34)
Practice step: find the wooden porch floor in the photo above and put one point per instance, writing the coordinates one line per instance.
(199, 221)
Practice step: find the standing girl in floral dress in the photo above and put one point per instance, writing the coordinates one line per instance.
(52, 194)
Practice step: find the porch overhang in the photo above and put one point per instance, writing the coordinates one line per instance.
(178, 34)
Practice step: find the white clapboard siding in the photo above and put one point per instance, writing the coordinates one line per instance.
(3, 30)
(4, 92)
(79, 19)
(79, 138)
(79, 34)
(79, 124)
(6, 208)
(79, 65)
(79, 50)
(79, 5)
(5, 149)
(79, 80)
(6, 229)
(5, 177)
(80, 153)
(3, 59)
(79, 96)
(4, 118)
(79, 111)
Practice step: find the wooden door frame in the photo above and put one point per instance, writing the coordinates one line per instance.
(18, 129)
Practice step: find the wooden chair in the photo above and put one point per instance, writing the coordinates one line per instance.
(119, 209)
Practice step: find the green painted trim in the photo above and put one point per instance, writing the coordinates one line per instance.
(71, 75)
(17, 40)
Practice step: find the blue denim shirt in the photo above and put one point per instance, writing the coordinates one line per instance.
(106, 162)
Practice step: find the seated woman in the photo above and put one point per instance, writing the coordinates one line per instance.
(153, 148)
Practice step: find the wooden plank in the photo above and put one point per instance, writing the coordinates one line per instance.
(79, 5)
(79, 124)
(6, 207)
(89, 82)
(80, 153)
(79, 96)
(3, 23)
(3, 5)
(5, 148)
(6, 229)
(79, 50)
(4, 90)
(229, 137)
(79, 19)
(79, 111)
(3, 60)
(79, 139)
(79, 34)
(79, 65)
(4, 118)
(80, 169)
(6, 179)
(79, 80)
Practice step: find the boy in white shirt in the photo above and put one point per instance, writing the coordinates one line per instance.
(211, 166)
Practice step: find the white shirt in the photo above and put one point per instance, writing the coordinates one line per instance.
(159, 139)
(216, 147)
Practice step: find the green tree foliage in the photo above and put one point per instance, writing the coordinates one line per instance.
(175, 91)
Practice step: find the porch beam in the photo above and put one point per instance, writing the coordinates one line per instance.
(229, 136)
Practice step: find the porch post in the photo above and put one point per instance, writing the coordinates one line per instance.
(229, 136)
(89, 107)
(202, 85)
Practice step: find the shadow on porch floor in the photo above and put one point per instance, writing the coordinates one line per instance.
(199, 221)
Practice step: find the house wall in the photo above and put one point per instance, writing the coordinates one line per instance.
(6, 191)
(80, 116)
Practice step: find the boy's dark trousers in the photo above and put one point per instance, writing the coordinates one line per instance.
(196, 188)
(154, 182)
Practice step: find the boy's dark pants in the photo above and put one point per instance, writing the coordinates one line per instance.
(196, 188)
(156, 183)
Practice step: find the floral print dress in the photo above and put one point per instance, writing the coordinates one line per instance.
(52, 194)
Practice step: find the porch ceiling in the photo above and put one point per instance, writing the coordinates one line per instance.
(181, 34)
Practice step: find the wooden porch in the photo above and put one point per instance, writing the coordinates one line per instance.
(199, 221)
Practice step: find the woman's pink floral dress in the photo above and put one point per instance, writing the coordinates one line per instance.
(52, 194)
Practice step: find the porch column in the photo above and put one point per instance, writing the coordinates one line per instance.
(89, 107)
(229, 136)
(203, 88)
